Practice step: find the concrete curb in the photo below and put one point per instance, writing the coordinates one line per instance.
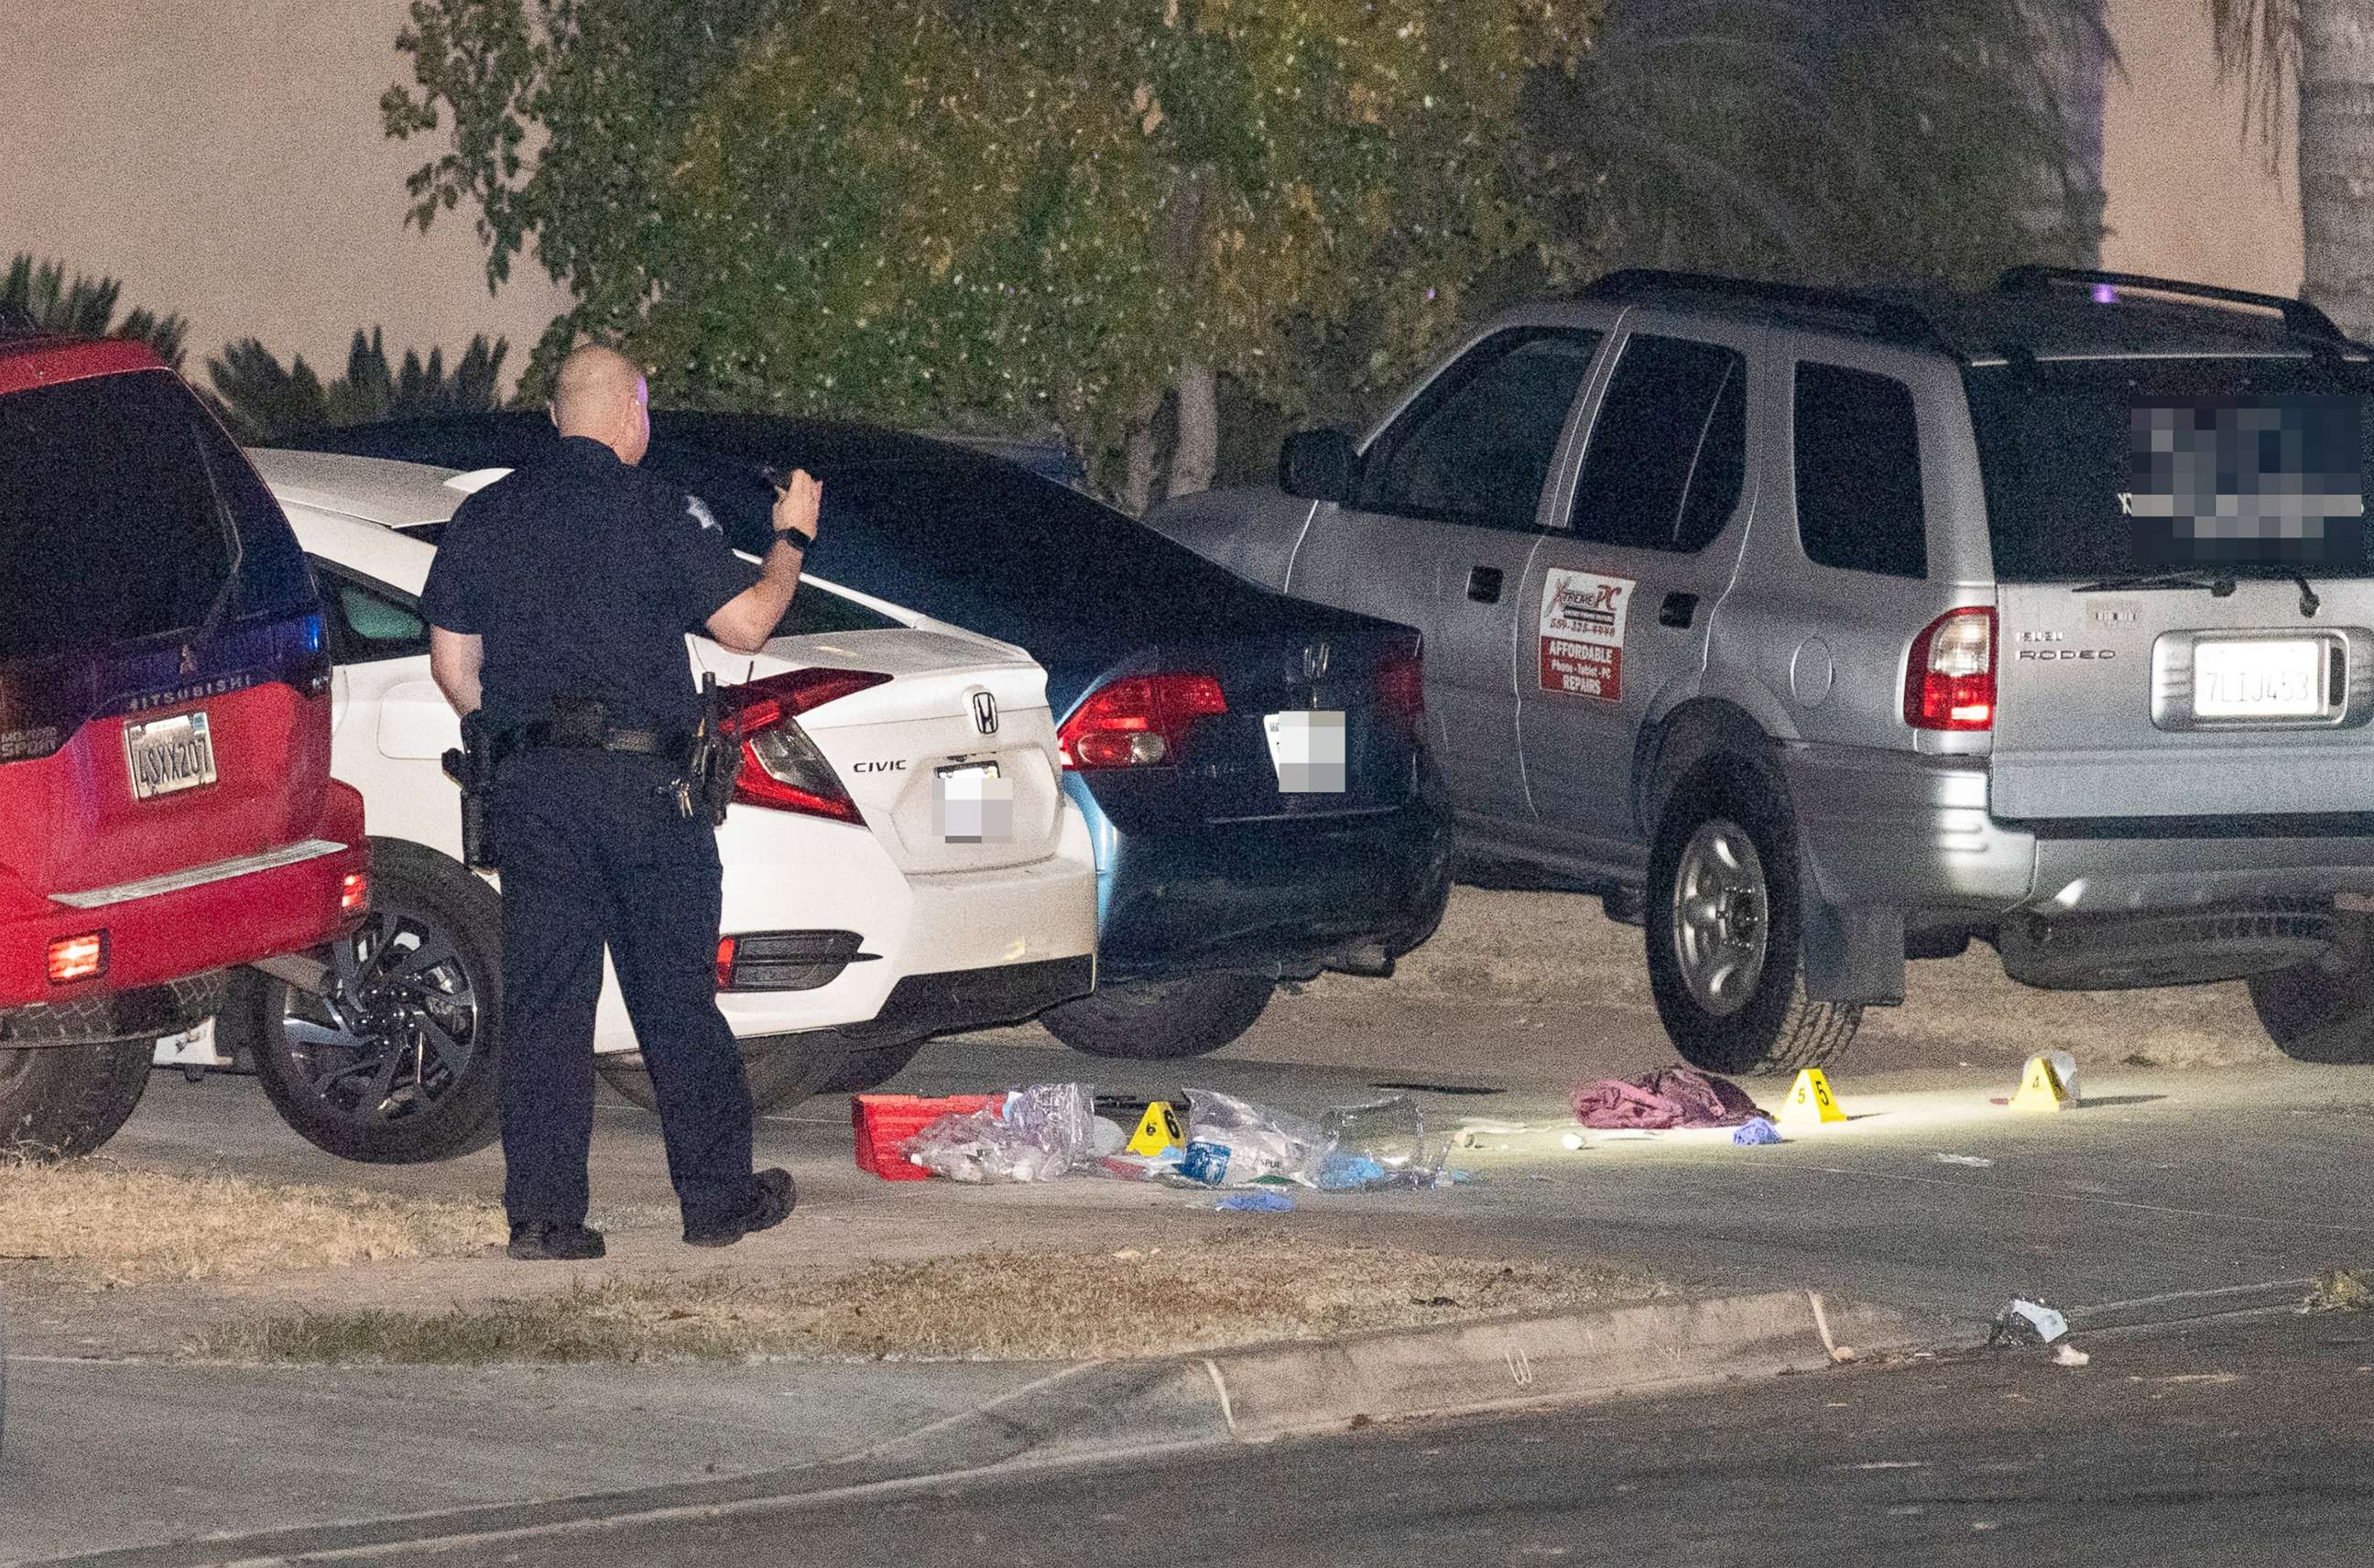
(1098, 1412)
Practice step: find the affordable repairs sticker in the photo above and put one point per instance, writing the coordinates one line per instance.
(1582, 634)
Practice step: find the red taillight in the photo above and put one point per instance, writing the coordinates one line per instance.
(724, 962)
(1138, 723)
(782, 769)
(77, 957)
(1950, 683)
(353, 893)
(1401, 690)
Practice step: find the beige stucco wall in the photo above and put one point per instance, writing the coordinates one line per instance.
(2188, 197)
(224, 158)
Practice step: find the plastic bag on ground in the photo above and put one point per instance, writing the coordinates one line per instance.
(2028, 1323)
(1391, 1131)
(1234, 1143)
(1755, 1131)
(1045, 1130)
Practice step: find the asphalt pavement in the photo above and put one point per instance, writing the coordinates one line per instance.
(2232, 1443)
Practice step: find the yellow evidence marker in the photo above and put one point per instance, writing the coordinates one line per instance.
(1156, 1130)
(1810, 1100)
(2040, 1088)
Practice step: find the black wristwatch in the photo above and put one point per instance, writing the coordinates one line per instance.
(797, 540)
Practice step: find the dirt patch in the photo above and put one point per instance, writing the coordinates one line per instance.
(96, 1220)
(1233, 1290)
(1545, 947)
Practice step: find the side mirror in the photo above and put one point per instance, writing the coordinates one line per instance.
(1318, 465)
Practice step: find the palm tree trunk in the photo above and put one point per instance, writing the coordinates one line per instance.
(2336, 159)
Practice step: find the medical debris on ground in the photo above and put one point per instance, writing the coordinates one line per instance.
(1056, 1129)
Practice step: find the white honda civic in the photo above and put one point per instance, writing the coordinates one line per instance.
(899, 858)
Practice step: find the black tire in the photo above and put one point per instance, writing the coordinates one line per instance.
(61, 1102)
(2323, 1011)
(1753, 1016)
(783, 1070)
(398, 1064)
(1161, 1020)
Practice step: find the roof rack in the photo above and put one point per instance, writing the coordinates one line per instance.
(2299, 316)
(1897, 320)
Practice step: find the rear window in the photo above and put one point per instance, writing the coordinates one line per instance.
(116, 513)
(2104, 468)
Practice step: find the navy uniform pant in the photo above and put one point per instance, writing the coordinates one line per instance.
(593, 849)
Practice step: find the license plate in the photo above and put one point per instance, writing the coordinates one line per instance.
(974, 803)
(1306, 747)
(167, 755)
(2277, 678)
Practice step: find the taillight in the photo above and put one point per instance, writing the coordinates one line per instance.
(1401, 690)
(782, 768)
(77, 957)
(1950, 684)
(353, 893)
(1141, 722)
(725, 946)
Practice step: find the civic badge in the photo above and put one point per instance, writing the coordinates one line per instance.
(984, 713)
(1314, 662)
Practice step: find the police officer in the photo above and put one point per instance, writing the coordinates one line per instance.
(557, 607)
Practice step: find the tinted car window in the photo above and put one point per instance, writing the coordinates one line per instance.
(368, 623)
(111, 524)
(1476, 447)
(1668, 449)
(2092, 466)
(1858, 457)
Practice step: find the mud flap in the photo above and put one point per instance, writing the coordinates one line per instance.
(1853, 954)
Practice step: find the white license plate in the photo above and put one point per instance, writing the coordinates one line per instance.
(974, 803)
(1306, 747)
(166, 755)
(2278, 678)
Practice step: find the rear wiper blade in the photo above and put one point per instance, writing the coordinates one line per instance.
(2219, 584)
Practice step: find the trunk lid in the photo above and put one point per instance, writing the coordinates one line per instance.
(902, 748)
(2184, 587)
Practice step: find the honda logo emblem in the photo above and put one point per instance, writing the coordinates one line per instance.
(1314, 662)
(984, 713)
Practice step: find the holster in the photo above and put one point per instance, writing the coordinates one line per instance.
(715, 762)
(473, 768)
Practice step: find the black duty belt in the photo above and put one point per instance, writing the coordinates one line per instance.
(543, 735)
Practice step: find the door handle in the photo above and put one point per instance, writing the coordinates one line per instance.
(1679, 609)
(1484, 584)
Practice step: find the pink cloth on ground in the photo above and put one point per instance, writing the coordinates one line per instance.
(1666, 1096)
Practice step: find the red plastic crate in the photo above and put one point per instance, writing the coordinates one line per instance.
(883, 1122)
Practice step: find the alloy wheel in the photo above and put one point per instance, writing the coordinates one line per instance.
(1721, 917)
(396, 1025)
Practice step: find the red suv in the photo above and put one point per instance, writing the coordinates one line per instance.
(166, 804)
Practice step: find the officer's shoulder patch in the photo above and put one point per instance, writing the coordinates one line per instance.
(701, 514)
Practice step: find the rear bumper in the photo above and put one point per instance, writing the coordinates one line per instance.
(1888, 829)
(925, 1005)
(200, 919)
(140, 1014)
(1289, 897)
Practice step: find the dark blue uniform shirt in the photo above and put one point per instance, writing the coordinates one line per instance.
(582, 574)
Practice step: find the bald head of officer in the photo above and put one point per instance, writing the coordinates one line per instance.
(600, 395)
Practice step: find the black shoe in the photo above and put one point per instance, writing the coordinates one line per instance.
(770, 1203)
(541, 1241)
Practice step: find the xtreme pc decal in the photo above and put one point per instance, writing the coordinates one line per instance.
(1584, 616)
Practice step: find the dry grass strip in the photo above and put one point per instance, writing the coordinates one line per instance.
(96, 1219)
(990, 1306)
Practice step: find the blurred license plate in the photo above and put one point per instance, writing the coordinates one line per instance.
(1306, 749)
(166, 755)
(974, 803)
(2279, 679)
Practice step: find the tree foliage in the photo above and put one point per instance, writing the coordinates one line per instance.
(1824, 139)
(2258, 43)
(85, 306)
(261, 399)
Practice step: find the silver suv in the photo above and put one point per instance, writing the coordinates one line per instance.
(1817, 629)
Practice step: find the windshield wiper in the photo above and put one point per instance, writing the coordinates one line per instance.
(2219, 584)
